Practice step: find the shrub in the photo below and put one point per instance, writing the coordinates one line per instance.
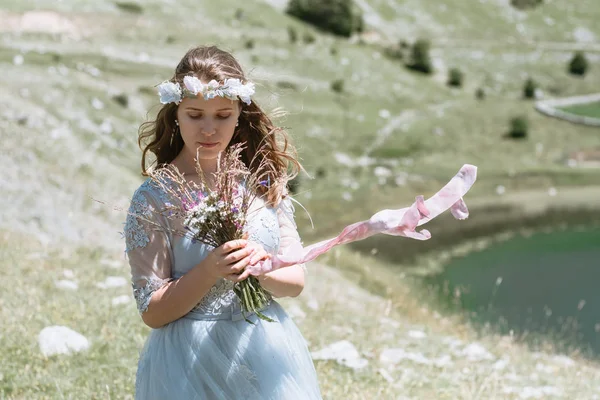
(249, 44)
(455, 77)
(524, 4)
(578, 64)
(480, 94)
(287, 85)
(129, 7)
(308, 38)
(121, 99)
(294, 184)
(337, 86)
(340, 17)
(420, 59)
(529, 89)
(292, 34)
(519, 127)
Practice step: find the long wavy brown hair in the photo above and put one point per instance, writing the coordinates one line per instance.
(265, 144)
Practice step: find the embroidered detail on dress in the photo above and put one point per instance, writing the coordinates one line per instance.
(269, 221)
(135, 229)
(218, 299)
(144, 294)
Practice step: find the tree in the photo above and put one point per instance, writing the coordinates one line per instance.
(340, 17)
(420, 59)
(455, 77)
(578, 64)
(529, 89)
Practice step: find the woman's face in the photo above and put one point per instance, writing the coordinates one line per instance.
(207, 126)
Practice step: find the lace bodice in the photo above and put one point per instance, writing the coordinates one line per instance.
(157, 256)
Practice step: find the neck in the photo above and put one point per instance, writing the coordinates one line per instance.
(187, 164)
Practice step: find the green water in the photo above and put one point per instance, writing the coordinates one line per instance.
(547, 284)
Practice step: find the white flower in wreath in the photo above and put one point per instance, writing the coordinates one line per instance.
(193, 85)
(169, 92)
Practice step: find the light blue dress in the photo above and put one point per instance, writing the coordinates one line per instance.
(212, 352)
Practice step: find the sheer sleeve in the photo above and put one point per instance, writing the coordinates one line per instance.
(147, 247)
(288, 229)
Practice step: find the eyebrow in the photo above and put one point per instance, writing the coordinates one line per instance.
(200, 109)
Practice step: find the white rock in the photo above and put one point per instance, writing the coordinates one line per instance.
(500, 189)
(382, 172)
(417, 334)
(313, 304)
(68, 274)
(500, 365)
(388, 321)
(342, 352)
(383, 113)
(476, 352)
(563, 360)
(112, 282)
(111, 263)
(347, 196)
(552, 192)
(18, 59)
(123, 299)
(61, 340)
(97, 103)
(66, 284)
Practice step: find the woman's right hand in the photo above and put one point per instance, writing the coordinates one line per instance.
(229, 260)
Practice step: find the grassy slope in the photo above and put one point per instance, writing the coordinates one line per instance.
(57, 158)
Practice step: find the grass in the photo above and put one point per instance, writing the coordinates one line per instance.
(382, 307)
(51, 177)
(591, 110)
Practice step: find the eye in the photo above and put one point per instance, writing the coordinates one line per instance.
(224, 116)
(195, 116)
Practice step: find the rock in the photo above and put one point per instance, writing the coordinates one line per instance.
(123, 299)
(342, 352)
(61, 340)
(111, 263)
(66, 284)
(476, 352)
(417, 334)
(68, 274)
(395, 356)
(313, 304)
(112, 282)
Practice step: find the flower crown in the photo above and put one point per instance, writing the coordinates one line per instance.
(231, 88)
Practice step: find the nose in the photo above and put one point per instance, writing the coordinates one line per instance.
(209, 127)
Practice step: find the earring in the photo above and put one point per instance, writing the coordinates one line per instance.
(174, 133)
(237, 123)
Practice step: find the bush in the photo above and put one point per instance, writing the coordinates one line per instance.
(340, 17)
(524, 4)
(480, 94)
(519, 127)
(455, 77)
(337, 86)
(292, 34)
(420, 59)
(308, 38)
(578, 64)
(129, 7)
(249, 44)
(529, 89)
(121, 99)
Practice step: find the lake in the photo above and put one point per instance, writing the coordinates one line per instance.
(547, 283)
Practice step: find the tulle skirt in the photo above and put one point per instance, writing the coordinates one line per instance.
(198, 358)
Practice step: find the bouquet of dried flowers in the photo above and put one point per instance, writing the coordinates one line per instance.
(219, 215)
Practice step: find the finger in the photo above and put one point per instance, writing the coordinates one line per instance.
(234, 257)
(239, 266)
(244, 275)
(256, 257)
(233, 245)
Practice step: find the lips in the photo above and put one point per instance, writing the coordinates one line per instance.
(208, 144)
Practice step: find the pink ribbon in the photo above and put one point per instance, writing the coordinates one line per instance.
(401, 222)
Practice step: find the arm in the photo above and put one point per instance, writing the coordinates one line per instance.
(287, 281)
(160, 299)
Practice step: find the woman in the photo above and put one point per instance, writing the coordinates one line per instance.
(201, 346)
